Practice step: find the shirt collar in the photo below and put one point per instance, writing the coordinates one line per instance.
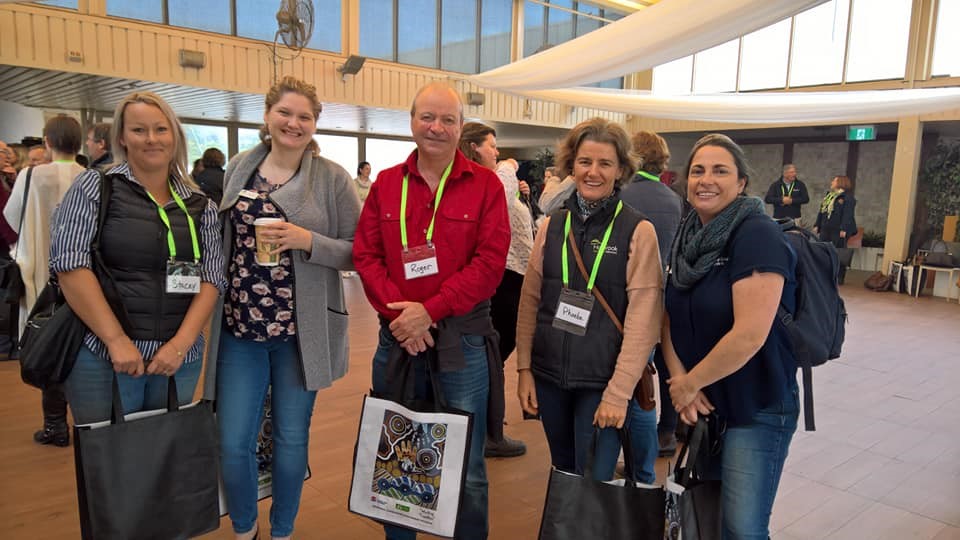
(461, 165)
(178, 186)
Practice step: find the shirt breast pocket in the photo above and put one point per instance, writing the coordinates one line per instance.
(456, 226)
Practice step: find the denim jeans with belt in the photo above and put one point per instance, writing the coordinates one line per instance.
(245, 369)
(567, 418)
(89, 388)
(467, 389)
(751, 462)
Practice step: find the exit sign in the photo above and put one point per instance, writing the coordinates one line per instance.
(861, 133)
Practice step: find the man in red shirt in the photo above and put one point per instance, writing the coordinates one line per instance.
(430, 271)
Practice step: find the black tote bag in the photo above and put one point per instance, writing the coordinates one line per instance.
(579, 507)
(694, 510)
(149, 478)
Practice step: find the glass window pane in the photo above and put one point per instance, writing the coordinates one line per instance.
(560, 28)
(459, 36)
(417, 35)
(673, 77)
(200, 137)
(209, 15)
(256, 19)
(69, 4)
(247, 138)
(496, 18)
(763, 62)
(946, 42)
(385, 153)
(819, 39)
(142, 11)
(326, 26)
(715, 69)
(879, 31)
(587, 24)
(533, 34)
(345, 151)
(376, 29)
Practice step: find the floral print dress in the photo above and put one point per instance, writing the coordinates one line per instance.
(259, 304)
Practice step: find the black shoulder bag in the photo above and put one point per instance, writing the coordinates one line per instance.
(11, 281)
(54, 333)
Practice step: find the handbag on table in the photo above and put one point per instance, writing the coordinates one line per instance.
(148, 475)
(939, 255)
(579, 507)
(410, 459)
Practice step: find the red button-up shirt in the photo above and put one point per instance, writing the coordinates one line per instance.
(471, 236)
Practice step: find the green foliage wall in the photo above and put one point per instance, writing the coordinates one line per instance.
(940, 184)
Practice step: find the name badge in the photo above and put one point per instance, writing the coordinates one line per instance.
(573, 311)
(183, 277)
(249, 194)
(419, 262)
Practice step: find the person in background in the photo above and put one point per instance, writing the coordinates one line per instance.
(197, 168)
(478, 142)
(363, 180)
(470, 241)
(726, 350)
(38, 155)
(21, 156)
(788, 194)
(579, 373)
(555, 192)
(836, 219)
(8, 175)
(62, 136)
(98, 146)
(662, 206)
(82, 161)
(210, 177)
(280, 327)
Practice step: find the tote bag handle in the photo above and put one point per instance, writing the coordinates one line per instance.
(116, 413)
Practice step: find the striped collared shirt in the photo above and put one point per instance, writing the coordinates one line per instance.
(74, 225)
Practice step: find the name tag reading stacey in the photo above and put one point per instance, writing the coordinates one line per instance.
(573, 311)
(420, 261)
(183, 277)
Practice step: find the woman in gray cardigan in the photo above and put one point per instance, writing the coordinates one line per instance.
(282, 325)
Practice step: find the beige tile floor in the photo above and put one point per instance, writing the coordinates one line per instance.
(883, 464)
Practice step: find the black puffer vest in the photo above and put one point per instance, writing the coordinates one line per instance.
(567, 360)
(134, 248)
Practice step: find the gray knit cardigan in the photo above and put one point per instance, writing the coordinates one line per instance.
(322, 199)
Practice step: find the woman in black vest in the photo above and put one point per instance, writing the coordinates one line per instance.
(576, 368)
(160, 244)
(836, 221)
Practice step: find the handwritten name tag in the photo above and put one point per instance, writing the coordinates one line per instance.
(573, 311)
(183, 277)
(420, 261)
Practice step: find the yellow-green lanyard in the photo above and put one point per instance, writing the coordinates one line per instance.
(436, 203)
(649, 176)
(166, 221)
(596, 261)
(783, 189)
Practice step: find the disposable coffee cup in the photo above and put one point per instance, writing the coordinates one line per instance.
(264, 257)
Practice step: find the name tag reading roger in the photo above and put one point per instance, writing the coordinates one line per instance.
(183, 277)
(420, 261)
(573, 311)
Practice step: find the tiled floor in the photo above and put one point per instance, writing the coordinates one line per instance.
(883, 464)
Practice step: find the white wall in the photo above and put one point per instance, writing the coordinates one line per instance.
(17, 122)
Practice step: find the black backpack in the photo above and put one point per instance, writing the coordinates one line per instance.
(816, 329)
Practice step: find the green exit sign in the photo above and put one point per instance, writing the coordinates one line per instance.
(861, 133)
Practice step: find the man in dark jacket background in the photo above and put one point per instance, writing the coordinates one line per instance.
(787, 194)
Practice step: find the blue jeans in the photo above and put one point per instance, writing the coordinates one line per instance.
(89, 388)
(468, 390)
(245, 369)
(567, 418)
(751, 462)
(642, 426)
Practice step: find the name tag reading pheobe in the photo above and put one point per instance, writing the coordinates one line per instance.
(420, 261)
(573, 311)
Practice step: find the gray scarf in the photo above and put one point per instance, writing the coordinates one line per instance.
(697, 247)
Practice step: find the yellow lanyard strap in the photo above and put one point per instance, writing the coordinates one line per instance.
(436, 204)
(171, 245)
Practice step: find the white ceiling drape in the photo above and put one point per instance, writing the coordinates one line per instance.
(673, 29)
(655, 35)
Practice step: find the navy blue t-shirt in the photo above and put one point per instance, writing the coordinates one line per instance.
(703, 314)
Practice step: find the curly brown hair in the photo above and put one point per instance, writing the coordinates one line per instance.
(598, 130)
(651, 151)
(297, 86)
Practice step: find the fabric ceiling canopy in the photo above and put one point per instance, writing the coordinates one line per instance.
(763, 108)
(655, 35)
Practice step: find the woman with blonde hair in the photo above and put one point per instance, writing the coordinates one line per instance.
(282, 326)
(578, 367)
(140, 328)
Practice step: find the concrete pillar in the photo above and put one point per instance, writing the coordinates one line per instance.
(903, 190)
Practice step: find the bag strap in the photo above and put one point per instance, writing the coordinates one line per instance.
(23, 210)
(697, 442)
(624, 435)
(401, 374)
(596, 292)
(116, 410)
